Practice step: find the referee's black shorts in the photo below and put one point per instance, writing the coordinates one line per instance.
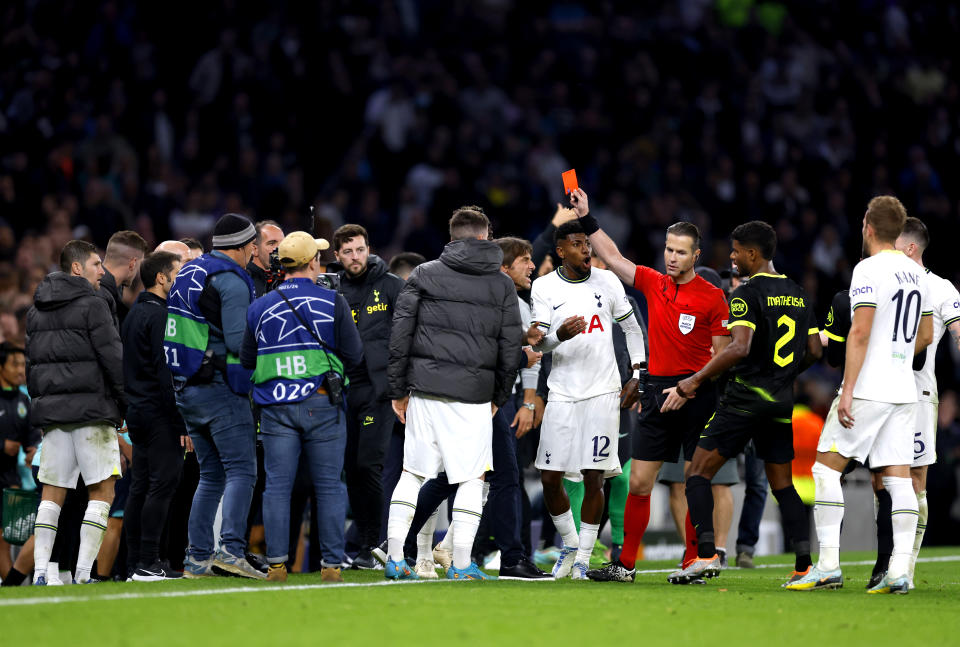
(728, 432)
(661, 436)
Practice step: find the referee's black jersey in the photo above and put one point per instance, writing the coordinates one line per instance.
(836, 329)
(782, 317)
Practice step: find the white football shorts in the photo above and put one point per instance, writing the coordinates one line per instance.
(444, 435)
(85, 449)
(882, 432)
(581, 435)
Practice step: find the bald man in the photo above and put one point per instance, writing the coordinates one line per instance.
(175, 247)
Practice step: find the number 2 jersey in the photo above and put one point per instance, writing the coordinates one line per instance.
(586, 365)
(897, 288)
(781, 317)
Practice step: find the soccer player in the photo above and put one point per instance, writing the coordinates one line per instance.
(576, 307)
(686, 317)
(876, 412)
(774, 338)
(945, 302)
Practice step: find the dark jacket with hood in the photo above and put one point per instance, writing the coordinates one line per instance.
(372, 297)
(456, 329)
(74, 355)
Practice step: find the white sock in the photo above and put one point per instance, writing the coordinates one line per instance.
(467, 509)
(403, 504)
(92, 529)
(588, 537)
(828, 515)
(921, 528)
(567, 529)
(45, 533)
(447, 542)
(425, 538)
(904, 517)
(53, 571)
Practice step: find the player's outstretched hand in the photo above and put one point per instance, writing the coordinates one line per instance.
(534, 335)
(400, 408)
(571, 326)
(629, 394)
(673, 401)
(532, 356)
(845, 409)
(563, 214)
(579, 202)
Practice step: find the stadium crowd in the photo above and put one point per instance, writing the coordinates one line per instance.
(389, 116)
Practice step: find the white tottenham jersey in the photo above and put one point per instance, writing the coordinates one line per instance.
(585, 366)
(945, 303)
(898, 289)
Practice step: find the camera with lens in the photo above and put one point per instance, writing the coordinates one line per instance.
(275, 273)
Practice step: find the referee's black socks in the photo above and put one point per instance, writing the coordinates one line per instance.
(797, 524)
(700, 503)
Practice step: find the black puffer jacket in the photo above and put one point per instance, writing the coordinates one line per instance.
(74, 365)
(372, 298)
(456, 329)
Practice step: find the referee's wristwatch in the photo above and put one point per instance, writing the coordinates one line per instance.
(529, 406)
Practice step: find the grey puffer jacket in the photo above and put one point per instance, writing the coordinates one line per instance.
(74, 355)
(456, 327)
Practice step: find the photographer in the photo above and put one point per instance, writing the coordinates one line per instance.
(206, 308)
(301, 343)
(264, 277)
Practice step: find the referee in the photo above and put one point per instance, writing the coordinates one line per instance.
(686, 318)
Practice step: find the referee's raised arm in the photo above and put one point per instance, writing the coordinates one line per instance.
(602, 243)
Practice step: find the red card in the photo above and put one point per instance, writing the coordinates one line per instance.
(570, 181)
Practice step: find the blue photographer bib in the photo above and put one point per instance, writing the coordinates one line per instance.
(187, 332)
(290, 362)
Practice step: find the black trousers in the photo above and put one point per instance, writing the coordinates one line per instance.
(369, 426)
(155, 474)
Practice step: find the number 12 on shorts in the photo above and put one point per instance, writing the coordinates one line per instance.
(601, 447)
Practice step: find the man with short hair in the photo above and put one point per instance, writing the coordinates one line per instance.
(269, 236)
(685, 322)
(76, 382)
(875, 414)
(156, 427)
(207, 308)
(371, 291)
(576, 307)
(302, 345)
(195, 247)
(404, 262)
(774, 338)
(453, 362)
(121, 263)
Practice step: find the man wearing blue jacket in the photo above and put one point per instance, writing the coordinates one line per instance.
(207, 309)
(300, 343)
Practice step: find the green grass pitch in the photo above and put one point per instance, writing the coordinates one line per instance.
(742, 607)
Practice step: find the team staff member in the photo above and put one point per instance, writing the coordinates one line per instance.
(16, 433)
(121, 263)
(206, 318)
(301, 345)
(156, 428)
(686, 318)
(371, 291)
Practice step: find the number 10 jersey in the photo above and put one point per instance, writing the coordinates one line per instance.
(781, 317)
(897, 288)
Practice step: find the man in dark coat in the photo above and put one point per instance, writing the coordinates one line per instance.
(75, 378)
(453, 361)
